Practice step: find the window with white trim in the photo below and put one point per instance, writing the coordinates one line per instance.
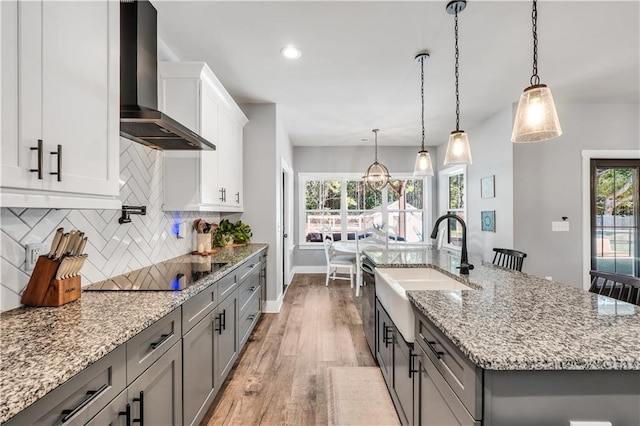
(344, 205)
(454, 181)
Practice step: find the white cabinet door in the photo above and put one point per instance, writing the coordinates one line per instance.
(209, 159)
(226, 164)
(236, 157)
(67, 76)
(17, 158)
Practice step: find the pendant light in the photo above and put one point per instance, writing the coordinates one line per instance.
(377, 175)
(423, 165)
(458, 150)
(536, 117)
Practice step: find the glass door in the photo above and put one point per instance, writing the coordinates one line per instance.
(615, 216)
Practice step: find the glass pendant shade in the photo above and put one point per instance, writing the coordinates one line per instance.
(458, 151)
(536, 117)
(376, 176)
(423, 165)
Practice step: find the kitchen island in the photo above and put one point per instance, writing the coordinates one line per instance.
(549, 351)
(42, 348)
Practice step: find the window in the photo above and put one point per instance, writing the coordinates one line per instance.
(615, 217)
(345, 205)
(454, 193)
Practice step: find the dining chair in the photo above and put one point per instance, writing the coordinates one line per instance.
(621, 287)
(336, 263)
(510, 259)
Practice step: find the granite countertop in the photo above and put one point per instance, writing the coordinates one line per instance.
(41, 348)
(516, 321)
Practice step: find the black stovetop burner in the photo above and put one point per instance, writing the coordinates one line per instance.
(165, 276)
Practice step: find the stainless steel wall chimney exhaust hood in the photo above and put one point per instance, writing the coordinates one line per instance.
(140, 119)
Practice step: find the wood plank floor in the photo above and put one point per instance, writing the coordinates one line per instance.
(280, 377)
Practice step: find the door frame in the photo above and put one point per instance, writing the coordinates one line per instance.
(587, 156)
(286, 221)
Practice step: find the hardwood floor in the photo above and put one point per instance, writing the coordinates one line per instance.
(280, 377)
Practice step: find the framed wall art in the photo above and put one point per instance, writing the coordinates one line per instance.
(488, 220)
(488, 186)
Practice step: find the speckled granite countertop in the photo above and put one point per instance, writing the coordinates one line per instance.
(41, 348)
(516, 321)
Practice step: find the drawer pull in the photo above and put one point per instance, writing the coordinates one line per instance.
(223, 320)
(91, 395)
(431, 345)
(39, 149)
(59, 154)
(127, 413)
(163, 339)
(141, 401)
(412, 357)
(251, 268)
(251, 317)
(251, 289)
(386, 337)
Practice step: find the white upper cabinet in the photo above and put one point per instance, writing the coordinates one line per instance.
(190, 93)
(60, 104)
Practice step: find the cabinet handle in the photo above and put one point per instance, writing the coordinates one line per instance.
(431, 345)
(39, 149)
(59, 154)
(251, 317)
(251, 289)
(223, 321)
(237, 198)
(412, 357)
(127, 413)
(250, 270)
(386, 338)
(141, 401)
(163, 338)
(91, 395)
(222, 194)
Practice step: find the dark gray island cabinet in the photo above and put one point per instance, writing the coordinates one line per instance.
(452, 390)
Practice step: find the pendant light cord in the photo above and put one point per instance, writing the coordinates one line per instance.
(457, 75)
(376, 146)
(535, 80)
(422, 96)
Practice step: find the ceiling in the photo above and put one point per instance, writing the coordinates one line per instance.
(357, 71)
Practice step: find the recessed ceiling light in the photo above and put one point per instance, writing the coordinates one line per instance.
(291, 52)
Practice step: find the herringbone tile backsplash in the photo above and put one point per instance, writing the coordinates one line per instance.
(113, 249)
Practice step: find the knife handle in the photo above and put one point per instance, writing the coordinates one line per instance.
(39, 149)
(59, 154)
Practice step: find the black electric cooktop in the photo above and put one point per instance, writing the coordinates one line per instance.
(164, 276)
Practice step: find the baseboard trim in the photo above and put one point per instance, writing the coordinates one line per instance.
(273, 306)
(310, 269)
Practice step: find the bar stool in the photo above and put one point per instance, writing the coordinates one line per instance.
(510, 259)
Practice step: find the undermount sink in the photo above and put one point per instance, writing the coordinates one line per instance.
(391, 289)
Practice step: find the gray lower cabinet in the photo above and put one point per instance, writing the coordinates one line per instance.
(384, 342)
(395, 357)
(156, 396)
(81, 397)
(199, 386)
(437, 403)
(117, 413)
(226, 336)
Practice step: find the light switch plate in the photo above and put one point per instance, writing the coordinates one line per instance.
(32, 252)
(561, 226)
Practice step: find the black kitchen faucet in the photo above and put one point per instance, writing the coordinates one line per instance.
(465, 266)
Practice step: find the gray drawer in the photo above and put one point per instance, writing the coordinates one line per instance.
(196, 308)
(226, 286)
(81, 397)
(247, 268)
(463, 376)
(249, 317)
(148, 345)
(249, 287)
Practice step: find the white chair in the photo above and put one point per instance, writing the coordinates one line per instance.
(337, 262)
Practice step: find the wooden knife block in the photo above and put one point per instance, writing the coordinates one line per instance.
(44, 290)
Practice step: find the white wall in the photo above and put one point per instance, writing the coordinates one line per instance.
(113, 248)
(492, 152)
(265, 143)
(348, 159)
(548, 185)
